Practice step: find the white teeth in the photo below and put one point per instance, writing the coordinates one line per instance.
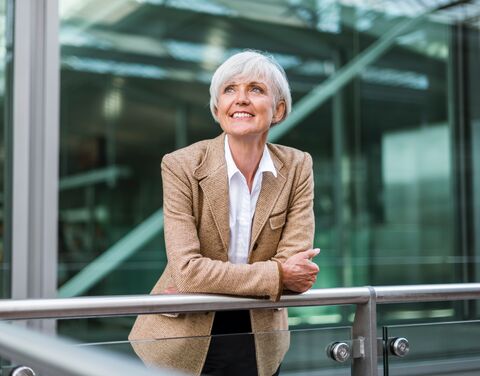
(241, 115)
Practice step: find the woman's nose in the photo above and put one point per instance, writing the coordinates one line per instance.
(242, 97)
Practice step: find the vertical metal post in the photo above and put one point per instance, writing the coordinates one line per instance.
(338, 193)
(5, 283)
(474, 93)
(459, 109)
(338, 126)
(35, 145)
(365, 333)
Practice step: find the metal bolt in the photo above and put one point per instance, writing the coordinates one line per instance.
(399, 347)
(339, 351)
(22, 371)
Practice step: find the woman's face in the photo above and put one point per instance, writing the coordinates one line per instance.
(246, 107)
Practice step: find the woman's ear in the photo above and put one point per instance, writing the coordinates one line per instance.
(279, 114)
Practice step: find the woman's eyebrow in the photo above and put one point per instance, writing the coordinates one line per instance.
(259, 83)
(251, 83)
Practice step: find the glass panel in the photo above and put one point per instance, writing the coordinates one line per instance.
(5, 369)
(436, 349)
(134, 86)
(306, 356)
(6, 51)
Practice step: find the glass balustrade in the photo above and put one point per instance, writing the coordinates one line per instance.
(4, 367)
(307, 354)
(449, 348)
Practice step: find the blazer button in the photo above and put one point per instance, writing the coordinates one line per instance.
(255, 246)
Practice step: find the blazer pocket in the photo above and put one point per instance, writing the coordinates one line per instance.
(278, 220)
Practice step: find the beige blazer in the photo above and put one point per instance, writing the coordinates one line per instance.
(196, 217)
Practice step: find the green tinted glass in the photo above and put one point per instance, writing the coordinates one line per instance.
(375, 104)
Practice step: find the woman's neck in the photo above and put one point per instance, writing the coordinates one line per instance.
(247, 154)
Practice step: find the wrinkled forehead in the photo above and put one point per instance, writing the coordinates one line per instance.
(251, 77)
(243, 79)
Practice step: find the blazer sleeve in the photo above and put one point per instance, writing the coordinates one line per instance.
(191, 271)
(299, 228)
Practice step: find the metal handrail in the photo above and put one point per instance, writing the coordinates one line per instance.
(57, 357)
(364, 331)
(427, 293)
(146, 304)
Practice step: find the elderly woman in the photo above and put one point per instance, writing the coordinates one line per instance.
(239, 221)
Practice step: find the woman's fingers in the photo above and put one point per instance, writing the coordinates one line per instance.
(299, 272)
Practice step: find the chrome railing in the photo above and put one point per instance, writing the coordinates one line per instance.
(364, 348)
(57, 357)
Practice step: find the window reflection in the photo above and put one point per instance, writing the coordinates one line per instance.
(135, 80)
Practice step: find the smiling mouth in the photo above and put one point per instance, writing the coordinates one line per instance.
(241, 115)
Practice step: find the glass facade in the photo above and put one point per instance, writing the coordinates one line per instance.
(391, 127)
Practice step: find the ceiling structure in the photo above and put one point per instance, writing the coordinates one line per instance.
(132, 27)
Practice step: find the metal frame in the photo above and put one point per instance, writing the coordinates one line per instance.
(364, 332)
(35, 146)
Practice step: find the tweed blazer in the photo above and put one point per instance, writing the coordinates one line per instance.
(196, 225)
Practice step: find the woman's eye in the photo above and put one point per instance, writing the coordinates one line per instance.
(228, 89)
(257, 89)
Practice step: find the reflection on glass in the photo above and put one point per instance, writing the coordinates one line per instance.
(307, 353)
(444, 348)
(134, 86)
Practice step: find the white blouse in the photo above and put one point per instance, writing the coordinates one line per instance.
(242, 203)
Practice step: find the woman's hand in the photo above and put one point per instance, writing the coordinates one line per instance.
(299, 272)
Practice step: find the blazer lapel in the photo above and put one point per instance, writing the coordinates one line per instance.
(212, 176)
(271, 188)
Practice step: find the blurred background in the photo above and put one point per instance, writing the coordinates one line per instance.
(395, 143)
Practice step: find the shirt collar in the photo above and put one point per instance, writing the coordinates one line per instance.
(265, 165)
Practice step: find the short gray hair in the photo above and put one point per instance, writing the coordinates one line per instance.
(254, 64)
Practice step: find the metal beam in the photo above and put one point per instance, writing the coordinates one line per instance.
(103, 175)
(343, 76)
(35, 145)
(113, 256)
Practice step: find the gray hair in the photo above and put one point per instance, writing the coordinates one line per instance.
(256, 65)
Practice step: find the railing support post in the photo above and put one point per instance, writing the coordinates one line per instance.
(364, 334)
